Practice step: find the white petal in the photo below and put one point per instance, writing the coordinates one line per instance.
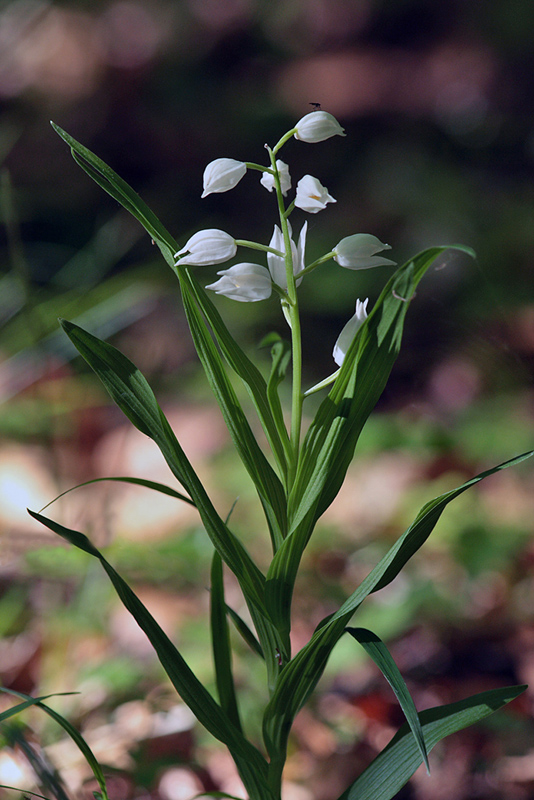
(312, 196)
(246, 283)
(318, 126)
(267, 180)
(358, 252)
(210, 246)
(222, 174)
(349, 331)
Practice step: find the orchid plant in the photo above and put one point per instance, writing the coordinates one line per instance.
(296, 479)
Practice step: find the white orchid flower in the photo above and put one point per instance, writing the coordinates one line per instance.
(359, 252)
(277, 264)
(348, 333)
(318, 126)
(267, 180)
(312, 196)
(222, 175)
(245, 282)
(210, 246)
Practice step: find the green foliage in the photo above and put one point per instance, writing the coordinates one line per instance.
(295, 482)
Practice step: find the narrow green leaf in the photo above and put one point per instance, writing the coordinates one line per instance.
(281, 357)
(378, 651)
(130, 390)
(395, 765)
(243, 367)
(246, 634)
(249, 761)
(76, 737)
(300, 676)
(220, 643)
(330, 442)
(268, 486)
(30, 701)
(114, 185)
(23, 792)
(158, 487)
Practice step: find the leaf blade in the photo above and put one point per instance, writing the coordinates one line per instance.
(378, 651)
(220, 643)
(251, 764)
(77, 738)
(395, 765)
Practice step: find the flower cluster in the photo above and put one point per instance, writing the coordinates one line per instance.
(250, 282)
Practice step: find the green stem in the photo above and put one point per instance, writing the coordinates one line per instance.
(277, 147)
(317, 263)
(257, 246)
(291, 311)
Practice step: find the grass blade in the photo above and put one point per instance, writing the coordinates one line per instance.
(76, 737)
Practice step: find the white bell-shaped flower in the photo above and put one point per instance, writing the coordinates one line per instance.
(222, 175)
(267, 180)
(277, 264)
(348, 333)
(318, 126)
(312, 196)
(245, 282)
(210, 246)
(359, 252)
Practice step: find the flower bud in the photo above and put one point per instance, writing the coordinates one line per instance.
(211, 246)
(222, 174)
(349, 332)
(358, 252)
(318, 126)
(267, 179)
(245, 282)
(312, 196)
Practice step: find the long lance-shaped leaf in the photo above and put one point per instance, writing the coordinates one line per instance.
(378, 651)
(155, 485)
(114, 185)
(395, 765)
(245, 632)
(300, 676)
(249, 761)
(220, 643)
(130, 390)
(331, 439)
(268, 486)
(29, 701)
(67, 727)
